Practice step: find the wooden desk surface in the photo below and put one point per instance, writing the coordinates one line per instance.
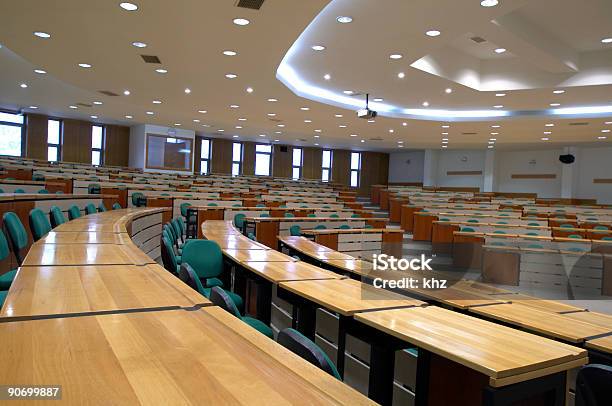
(504, 354)
(603, 344)
(233, 242)
(84, 237)
(164, 357)
(304, 245)
(348, 296)
(277, 272)
(354, 231)
(599, 319)
(85, 254)
(546, 323)
(356, 266)
(239, 255)
(55, 290)
(537, 303)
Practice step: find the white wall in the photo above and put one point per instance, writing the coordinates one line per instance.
(402, 171)
(593, 163)
(449, 161)
(137, 146)
(529, 162)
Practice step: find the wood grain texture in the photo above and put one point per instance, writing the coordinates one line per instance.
(36, 136)
(603, 344)
(117, 145)
(533, 176)
(277, 272)
(602, 180)
(463, 173)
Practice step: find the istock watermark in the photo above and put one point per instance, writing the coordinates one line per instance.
(419, 273)
(384, 262)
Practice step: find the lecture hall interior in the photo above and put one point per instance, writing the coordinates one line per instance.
(274, 202)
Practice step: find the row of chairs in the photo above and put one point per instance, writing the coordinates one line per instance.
(199, 263)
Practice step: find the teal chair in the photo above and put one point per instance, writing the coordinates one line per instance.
(221, 298)
(577, 236)
(600, 228)
(499, 232)
(607, 238)
(43, 192)
(236, 205)
(90, 208)
(175, 223)
(19, 191)
(326, 207)
(39, 224)
(356, 216)
(311, 215)
(344, 227)
(57, 217)
(18, 238)
(264, 215)
(101, 208)
(472, 221)
(94, 189)
(535, 246)
(212, 205)
(289, 215)
(501, 222)
(566, 226)
(6, 278)
(251, 236)
(37, 177)
(139, 199)
(184, 207)
(295, 231)
(282, 206)
(369, 226)
(334, 216)
(239, 220)
(303, 206)
(467, 230)
(320, 227)
(260, 205)
(531, 233)
(1, 190)
(301, 345)
(533, 224)
(168, 255)
(117, 206)
(74, 212)
(498, 244)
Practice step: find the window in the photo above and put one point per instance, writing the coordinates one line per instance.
(11, 133)
(326, 165)
(205, 157)
(297, 163)
(97, 143)
(54, 140)
(236, 158)
(355, 168)
(263, 159)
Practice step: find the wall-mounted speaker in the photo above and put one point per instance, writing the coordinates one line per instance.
(567, 159)
(532, 162)
(463, 158)
(283, 148)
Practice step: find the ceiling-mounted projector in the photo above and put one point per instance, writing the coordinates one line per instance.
(366, 113)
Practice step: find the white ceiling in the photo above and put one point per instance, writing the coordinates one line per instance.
(564, 51)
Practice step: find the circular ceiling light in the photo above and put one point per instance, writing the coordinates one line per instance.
(241, 21)
(160, 70)
(425, 104)
(607, 40)
(42, 34)
(602, 137)
(353, 135)
(446, 126)
(33, 107)
(395, 56)
(128, 6)
(555, 104)
(545, 138)
(349, 92)
(495, 126)
(280, 125)
(605, 131)
(271, 114)
(404, 124)
(317, 130)
(318, 47)
(157, 102)
(344, 19)
(150, 113)
(187, 90)
(231, 75)
(230, 53)
(23, 85)
(73, 107)
(195, 120)
(500, 50)
(304, 108)
(432, 33)
(139, 44)
(308, 121)
(342, 126)
(558, 91)
(97, 103)
(327, 76)
(234, 106)
(126, 92)
(238, 127)
(272, 100)
(448, 90)
(500, 94)
(93, 117)
(489, 3)
(378, 99)
(128, 116)
(249, 90)
(242, 119)
(203, 111)
(85, 65)
(234, 136)
(549, 125)
(221, 130)
(401, 75)
(40, 71)
(498, 106)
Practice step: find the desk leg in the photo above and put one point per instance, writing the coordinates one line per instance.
(307, 319)
(382, 368)
(342, 325)
(240, 282)
(264, 301)
(422, 378)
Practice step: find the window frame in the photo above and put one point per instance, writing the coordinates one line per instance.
(102, 144)
(22, 127)
(269, 154)
(327, 168)
(60, 139)
(357, 171)
(208, 158)
(239, 162)
(298, 167)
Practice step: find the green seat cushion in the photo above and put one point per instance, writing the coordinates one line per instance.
(259, 326)
(6, 279)
(531, 233)
(3, 294)
(212, 282)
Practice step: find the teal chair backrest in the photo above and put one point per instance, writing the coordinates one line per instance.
(301, 345)
(94, 189)
(17, 234)
(184, 207)
(39, 224)
(264, 215)
(74, 212)
(607, 238)
(467, 229)
(574, 236)
(567, 225)
(260, 205)
(472, 221)
(295, 230)
(4, 248)
(1, 190)
(117, 206)
(311, 215)
(43, 192)
(19, 191)
(334, 216)
(533, 224)
(57, 217)
(37, 177)
(320, 227)
(204, 256)
(212, 204)
(289, 215)
(101, 208)
(356, 216)
(169, 255)
(137, 199)
(344, 227)
(536, 246)
(600, 228)
(239, 220)
(176, 227)
(90, 208)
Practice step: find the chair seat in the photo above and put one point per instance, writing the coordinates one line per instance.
(3, 294)
(6, 279)
(235, 298)
(259, 326)
(212, 282)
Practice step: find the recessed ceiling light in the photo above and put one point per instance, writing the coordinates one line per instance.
(40, 71)
(327, 76)
(371, 121)
(495, 126)
(23, 85)
(177, 124)
(128, 116)
(446, 126)
(444, 142)
(490, 147)
(448, 90)
(353, 135)
(344, 19)
(362, 140)
(547, 132)
(234, 106)
(558, 91)
(494, 133)
(238, 127)
(221, 130)
(498, 106)
(203, 111)
(195, 120)
(150, 113)
(500, 94)
(400, 142)
(444, 133)
(93, 116)
(229, 52)
(317, 136)
(280, 125)
(241, 21)
(139, 44)
(491, 142)
(234, 136)
(126, 92)
(395, 56)
(85, 65)
(555, 104)
(160, 70)
(33, 107)
(602, 137)
(262, 135)
(317, 130)
(432, 33)
(231, 75)
(128, 6)
(378, 99)
(605, 131)
(272, 114)
(444, 146)
(276, 140)
(348, 92)
(187, 90)
(205, 125)
(316, 144)
(272, 100)
(242, 119)
(401, 75)
(608, 122)
(249, 90)
(549, 125)
(98, 103)
(318, 47)
(278, 132)
(342, 126)
(492, 139)
(304, 108)
(157, 102)
(308, 121)
(500, 50)
(338, 115)
(73, 107)
(404, 124)
(607, 40)
(400, 146)
(545, 138)
(489, 3)
(391, 130)
(42, 34)
(425, 104)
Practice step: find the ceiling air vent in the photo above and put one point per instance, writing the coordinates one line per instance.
(376, 139)
(276, 120)
(252, 4)
(108, 93)
(150, 59)
(302, 140)
(469, 133)
(578, 123)
(478, 40)
(84, 105)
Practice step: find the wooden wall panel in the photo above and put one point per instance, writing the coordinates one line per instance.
(36, 136)
(197, 149)
(374, 171)
(117, 147)
(341, 164)
(248, 158)
(282, 162)
(76, 145)
(221, 156)
(312, 163)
